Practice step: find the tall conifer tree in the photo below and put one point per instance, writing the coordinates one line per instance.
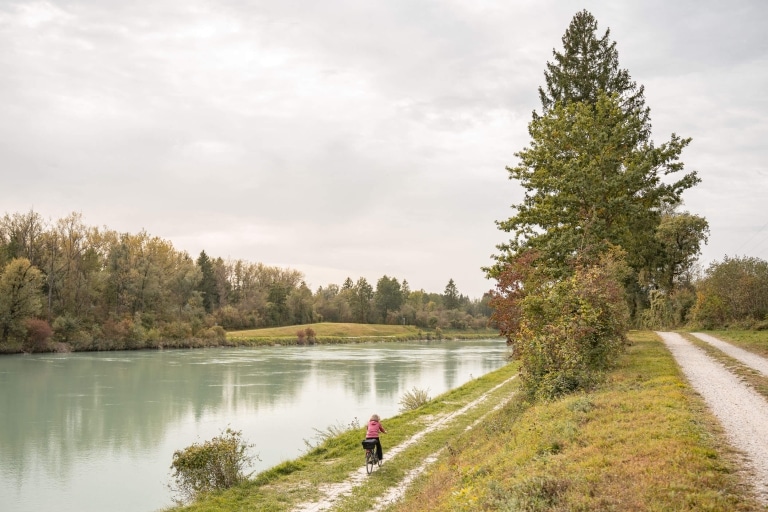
(593, 178)
(588, 65)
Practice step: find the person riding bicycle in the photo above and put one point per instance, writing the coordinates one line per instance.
(374, 427)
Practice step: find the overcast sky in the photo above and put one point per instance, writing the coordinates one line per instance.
(352, 138)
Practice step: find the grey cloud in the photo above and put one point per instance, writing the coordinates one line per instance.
(347, 137)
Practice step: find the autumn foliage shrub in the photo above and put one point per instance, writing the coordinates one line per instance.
(565, 332)
(38, 334)
(307, 335)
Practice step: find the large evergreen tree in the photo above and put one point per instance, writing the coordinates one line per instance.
(588, 65)
(592, 176)
(451, 295)
(207, 284)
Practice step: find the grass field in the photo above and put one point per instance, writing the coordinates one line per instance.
(284, 486)
(348, 330)
(327, 332)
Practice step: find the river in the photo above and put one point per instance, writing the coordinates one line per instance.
(97, 431)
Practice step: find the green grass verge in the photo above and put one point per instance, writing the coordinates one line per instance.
(642, 441)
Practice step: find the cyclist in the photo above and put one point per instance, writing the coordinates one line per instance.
(374, 427)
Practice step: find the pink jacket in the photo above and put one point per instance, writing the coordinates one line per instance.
(374, 427)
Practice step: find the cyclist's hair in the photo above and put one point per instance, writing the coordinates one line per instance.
(375, 417)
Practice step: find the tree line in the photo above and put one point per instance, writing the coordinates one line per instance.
(90, 288)
(732, 293)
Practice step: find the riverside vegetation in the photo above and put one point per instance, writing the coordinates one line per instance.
(66, 286)
(640, 440)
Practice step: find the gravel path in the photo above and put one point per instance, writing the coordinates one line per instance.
(754, 361)
(741, 411)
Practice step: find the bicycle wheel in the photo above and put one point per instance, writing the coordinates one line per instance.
(369, 461)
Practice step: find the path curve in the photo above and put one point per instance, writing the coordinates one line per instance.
(742, 412)
(750, 359)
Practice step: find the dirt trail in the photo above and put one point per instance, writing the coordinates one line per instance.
(397, 492)
(331, 493)
(742, 412)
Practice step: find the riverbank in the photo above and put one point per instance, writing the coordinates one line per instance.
(642, 441)
(319, 334)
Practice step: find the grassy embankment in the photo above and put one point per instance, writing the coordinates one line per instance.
(328, 333)
(642, 441)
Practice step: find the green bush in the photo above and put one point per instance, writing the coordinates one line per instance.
(176, 330)
(732, 292)
(212, 466)
(216, 332)
(64, 327)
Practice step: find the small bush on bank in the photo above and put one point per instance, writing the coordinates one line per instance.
(38, 335)
(414, 399)
(216, 332)
(215, 465)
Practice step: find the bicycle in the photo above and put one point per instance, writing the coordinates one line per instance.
(371, 459)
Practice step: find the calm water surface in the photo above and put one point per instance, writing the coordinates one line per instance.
(97, 431)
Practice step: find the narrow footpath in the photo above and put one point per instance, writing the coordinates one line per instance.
(741, 411)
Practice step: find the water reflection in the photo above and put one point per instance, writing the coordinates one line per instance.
(97, 431)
